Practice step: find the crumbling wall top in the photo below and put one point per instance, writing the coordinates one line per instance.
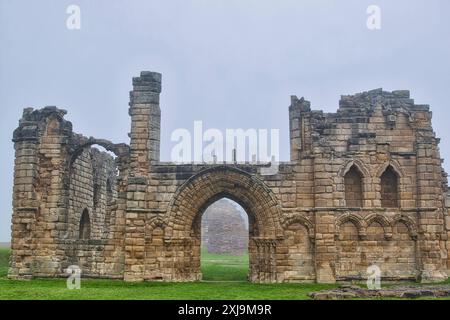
(34, 123)
(146, 88)
(300, 104)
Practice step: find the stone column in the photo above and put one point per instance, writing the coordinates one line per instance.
(430, 212)
(145, 121)
(25, 203)
(134, 269)
(39, 207)
(144, 151)
(263, 261)
(325, 247)
(296, 126)
(447, 228)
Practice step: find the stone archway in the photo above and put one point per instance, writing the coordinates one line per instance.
(206, 187)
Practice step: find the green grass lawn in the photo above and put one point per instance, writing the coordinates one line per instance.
(221, 267)
(224, 278)
(4, 261)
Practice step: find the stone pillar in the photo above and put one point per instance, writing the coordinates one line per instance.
(134, 269)
(296, 126)
(25, 203)
(41, 159)
(145, 121)
(325, 247)
(430, 211)
(144, 151)
(447, 228)
(52, 169)
(263, 261)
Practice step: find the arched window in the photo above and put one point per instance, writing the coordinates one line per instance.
(353, 188)
(85, 225)
(300, 254)
(389, 188)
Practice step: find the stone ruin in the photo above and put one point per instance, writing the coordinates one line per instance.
(224, 229)
(364, 185)
(403, 292)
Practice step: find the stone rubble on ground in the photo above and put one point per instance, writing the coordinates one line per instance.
(353, 292)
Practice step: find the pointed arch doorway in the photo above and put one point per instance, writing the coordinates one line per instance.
(224, 248)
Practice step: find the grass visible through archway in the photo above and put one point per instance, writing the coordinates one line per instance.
(224, 267)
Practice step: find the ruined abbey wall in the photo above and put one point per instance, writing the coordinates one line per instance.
(364, 185)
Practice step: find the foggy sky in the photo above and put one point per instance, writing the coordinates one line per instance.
(229, 63)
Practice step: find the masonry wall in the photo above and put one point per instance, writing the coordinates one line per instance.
(446, 246)
(92, 188)
(325, 216)
(395, 256)
(300, 257)
(59, 176)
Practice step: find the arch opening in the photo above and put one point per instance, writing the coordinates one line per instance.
(203, 189)
(300, 253)
(224, 241)
(85, 226)
(353, 181)
(92, 184)
(389, 188)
